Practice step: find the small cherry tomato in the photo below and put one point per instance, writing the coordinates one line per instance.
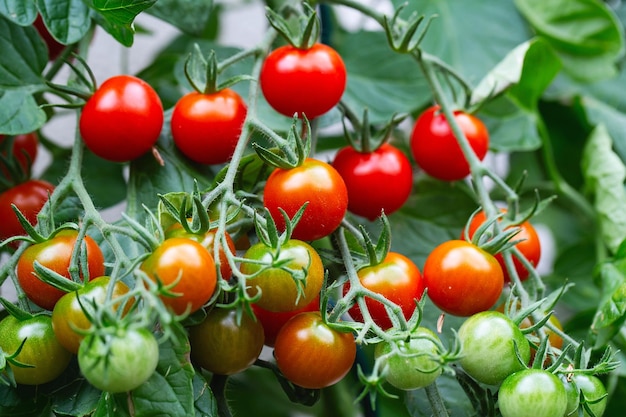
(206, 127)
(29, 197)
(304, 81)
(222, 345)
(55, 254)
(435, 148)
(462, 279)
(376, 181)
(189, 267)
(397, 279)
(311, 354)
(593, 393)
(315, 182)
(122, 120)
(532, 392)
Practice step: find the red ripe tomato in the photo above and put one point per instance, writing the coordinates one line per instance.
(54, 47)
(435, 148)
(122, 120)
(190, 266)
(29, 197)
(530, 245)
(311, 354)
(396, 278)
(206, 127)
(274, 321)
(55, 254)
(304, 81)
(376, 181)
(24, 150)
(462, 279)
(315, 182)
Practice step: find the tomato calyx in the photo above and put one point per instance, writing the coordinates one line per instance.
(369, 138)
(306, 32)
(291, 151)
(402, 36)
(202, 72)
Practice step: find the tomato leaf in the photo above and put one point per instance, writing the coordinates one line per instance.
(79, 398)
(604, 176)
(21, 12)
(586, 34)
(117, 17)
(205, 403)
(190, 16)
(611, 313)
(67, 20)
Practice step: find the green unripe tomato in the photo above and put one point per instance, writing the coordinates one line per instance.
(532, 393)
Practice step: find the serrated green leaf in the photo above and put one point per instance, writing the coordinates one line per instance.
(190, 16)
(611, 312)
(117, 17)
(604, 174)
(67, 20)
(21, 12)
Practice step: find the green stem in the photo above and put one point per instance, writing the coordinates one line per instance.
(218, 386)
(360, 7)
(436, 402)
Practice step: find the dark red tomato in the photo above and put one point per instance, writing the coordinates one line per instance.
(529, 245)
(122, 120)
(435, 148)
(54, 47)
(376, 181)
(24, 150)
(223, 346)
(462, 279)
(311, 354)
(274, 321)
(29, 197)
(189, 267)
(206, 127)
(41, 350)
(55, 254)
(68, 316)
(398, 279)
(309, 81)
(277, 286)
(206, 240)
(315, 182)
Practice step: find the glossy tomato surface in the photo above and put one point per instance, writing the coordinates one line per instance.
(188, 268)
(377, 181)
(435, 148)
(462, 279)
(41, 349)
(29, 197)
(122, 120)
(206, 127)
(309, 81)
(55, 254)
(397, 279)
(532, 392)
(278, 289)
(316, 183)
(311, 354)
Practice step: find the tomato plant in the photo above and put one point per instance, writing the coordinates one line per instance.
(120, 361)
(54, 47)
(377, 181)
(311, 354)
(223, 345)
(206, 127)
(40, 350)
(435, 147)
(24, 150)
(462, 279)
(29, 197)
(278, 289)
(593, 393)
(414, 363)
(396, 278)
(188, 271)
(304, 81)
(122, 120)
(532, 392)
(55, 254)
(314, 182)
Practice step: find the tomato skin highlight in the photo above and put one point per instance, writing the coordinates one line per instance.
(130, 360)
(55, 254)
(29, 197)
(206, 127)
(462, 279)
(304, 81)
(222, 346)
(41, 350)
(68, 314)
(122, 120)
(398, 279)
(377, 181)
(190, 265)
(532, 392)
(279, 292)
(311, 354)
(436, 150)
(315, 182)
